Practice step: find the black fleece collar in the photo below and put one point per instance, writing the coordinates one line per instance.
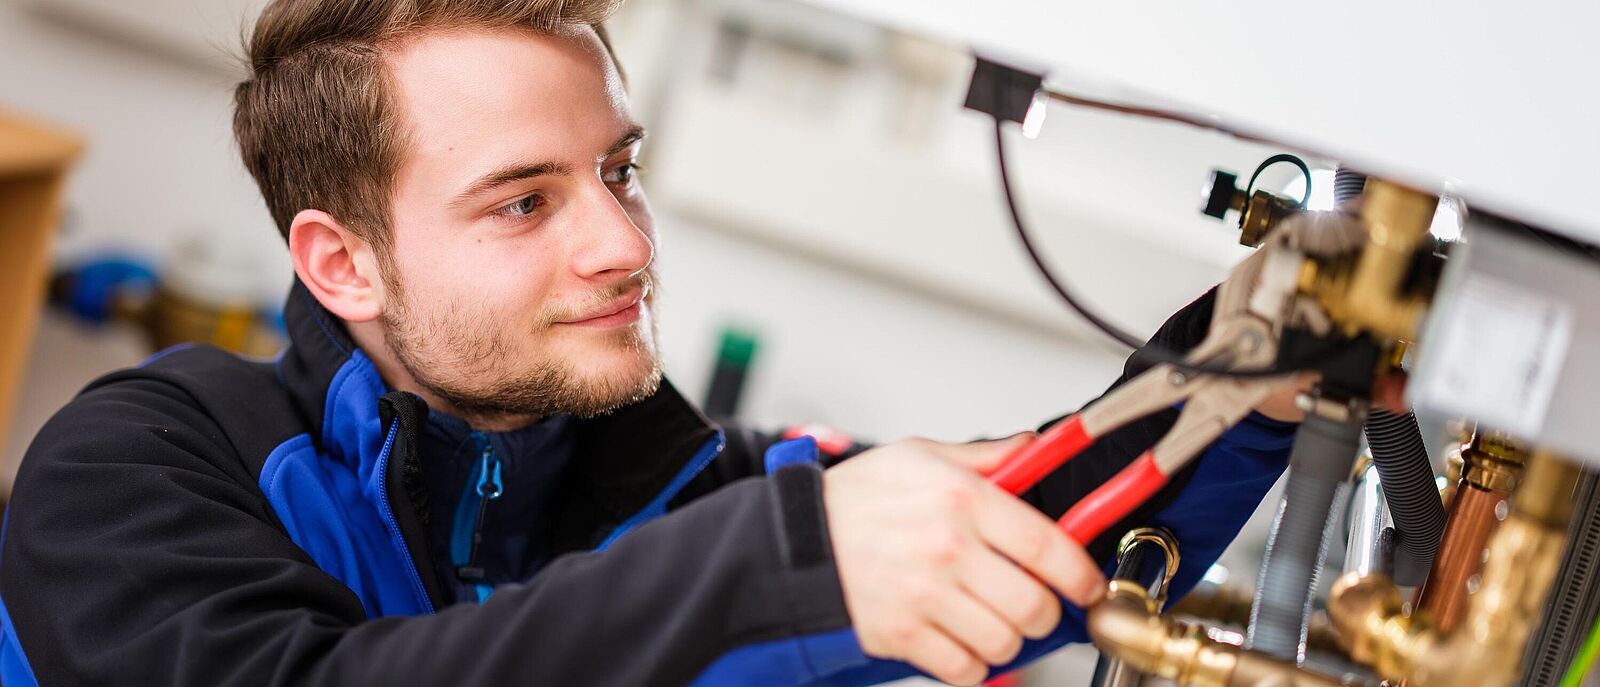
(622, 460)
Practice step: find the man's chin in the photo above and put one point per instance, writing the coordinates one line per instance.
(616, 381)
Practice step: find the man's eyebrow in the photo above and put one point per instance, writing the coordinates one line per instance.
(519, 171)
(510, 173)
(634, 134)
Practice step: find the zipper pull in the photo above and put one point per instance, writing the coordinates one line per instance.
(489, 488)
(489, 484)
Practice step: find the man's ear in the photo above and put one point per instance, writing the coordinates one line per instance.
(336, 265)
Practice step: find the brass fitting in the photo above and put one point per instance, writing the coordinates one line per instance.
(1493, 461)
(1260, 214)
(1370, 620)
(1366, 296)
(1486, 650)
(1223, 604)
(1454, 465)
(1125, 626)
(1168, 546)
(1226, 604)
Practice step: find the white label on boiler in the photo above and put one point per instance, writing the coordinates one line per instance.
(1496, 355)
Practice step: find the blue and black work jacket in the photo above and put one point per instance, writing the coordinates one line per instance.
(210, 520)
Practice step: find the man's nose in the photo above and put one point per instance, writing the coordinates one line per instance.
(609, 244)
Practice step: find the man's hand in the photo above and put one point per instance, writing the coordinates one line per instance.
(942, 569)
(1388, 392)
(1281, 404)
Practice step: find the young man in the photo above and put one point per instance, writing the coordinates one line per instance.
(467, 469)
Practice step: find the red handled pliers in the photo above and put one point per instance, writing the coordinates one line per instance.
(1246, 319)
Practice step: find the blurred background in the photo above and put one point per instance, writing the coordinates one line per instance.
(835, 249)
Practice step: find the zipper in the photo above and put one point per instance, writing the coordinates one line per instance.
(489, 488)
(394, 524)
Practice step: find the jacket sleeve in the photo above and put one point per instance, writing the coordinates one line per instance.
(138, 551)
(748, 453)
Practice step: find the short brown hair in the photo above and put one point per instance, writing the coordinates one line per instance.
(315, 119)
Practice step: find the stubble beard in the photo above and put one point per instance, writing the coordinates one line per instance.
(463, 362)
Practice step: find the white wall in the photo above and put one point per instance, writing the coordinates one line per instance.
(845, 349)
(840, 346)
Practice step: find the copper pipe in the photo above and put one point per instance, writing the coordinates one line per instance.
(1472, 521)
(1491, 464)
(1486, 650)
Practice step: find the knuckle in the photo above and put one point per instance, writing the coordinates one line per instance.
(1040, 612)
(1012, 648)
(1032, 545)
(957, 496)
(900, 635)
(920, 592)
(957, 668)
(944, 547)
(1000, 648)
(875, 642)
(1089, 587)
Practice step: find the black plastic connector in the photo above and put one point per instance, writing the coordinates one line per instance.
(1003, 92)
(1221, 194)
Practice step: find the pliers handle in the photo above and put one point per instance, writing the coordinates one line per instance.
(1242, 335)
(1213, 405)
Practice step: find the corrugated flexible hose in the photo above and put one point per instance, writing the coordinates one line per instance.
(1319, 465)
(1409, 488)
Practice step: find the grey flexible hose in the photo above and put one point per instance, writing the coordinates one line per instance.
(1347, 184)
(1408, 486)
(1401, 456)
(1323, 455)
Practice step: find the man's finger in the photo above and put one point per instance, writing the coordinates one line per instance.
(1020, 598)
(975, 626)
(982, 456)
(940, 656)
(1016, 530)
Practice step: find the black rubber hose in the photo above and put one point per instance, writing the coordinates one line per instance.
(1402, 460)
(1408, 486)
(1323, 455)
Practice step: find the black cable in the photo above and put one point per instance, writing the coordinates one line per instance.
(1153, 354)
(1275, 159)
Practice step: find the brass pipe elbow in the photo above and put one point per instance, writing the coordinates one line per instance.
(1369, 617)
(1524, 555)
(1126, 626)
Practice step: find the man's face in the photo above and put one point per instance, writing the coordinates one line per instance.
(522, 244)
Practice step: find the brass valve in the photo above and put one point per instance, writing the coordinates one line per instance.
(1365, 293)
(1259, 211)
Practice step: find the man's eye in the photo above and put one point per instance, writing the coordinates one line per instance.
(522, 207)
(623, 174)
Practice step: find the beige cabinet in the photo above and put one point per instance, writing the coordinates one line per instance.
(34, 159)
